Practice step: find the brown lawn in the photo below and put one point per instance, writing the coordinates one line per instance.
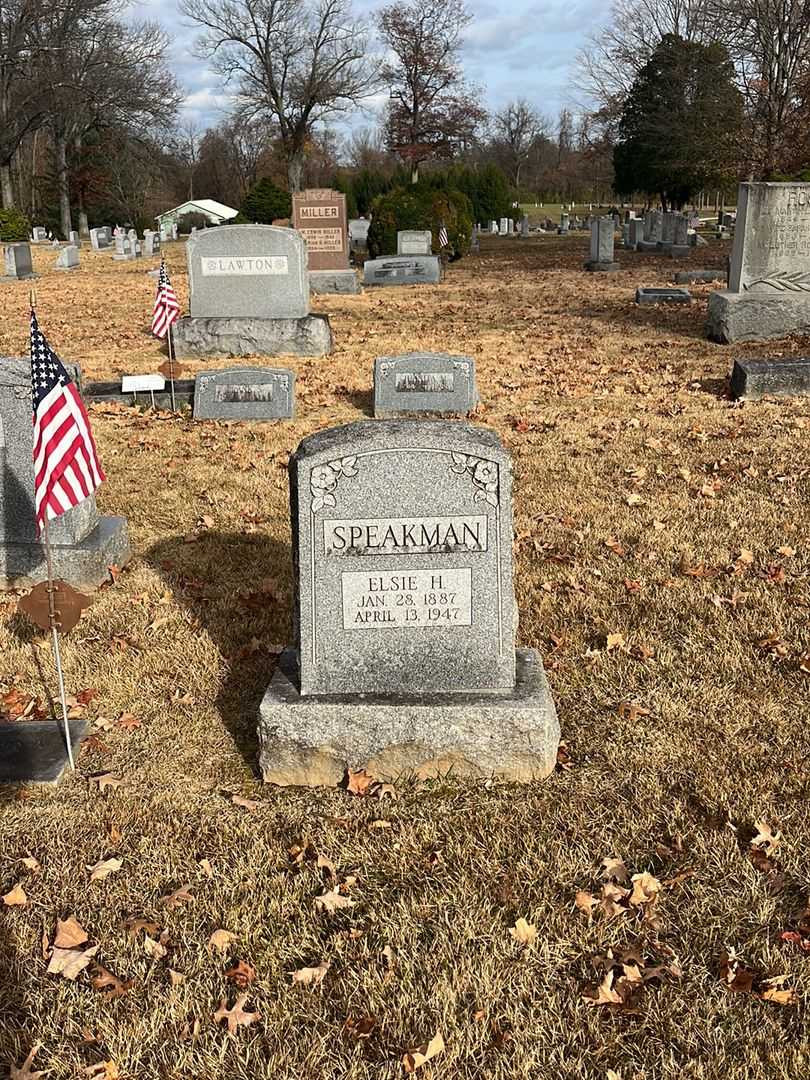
(648, 506)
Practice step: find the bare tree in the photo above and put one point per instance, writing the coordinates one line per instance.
(297, 62)
(187, 147)
(432, 113)
(517, 128)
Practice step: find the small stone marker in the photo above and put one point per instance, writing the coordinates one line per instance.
(602, 241)
(319, 215)
(663, 296)
(84, 545)
(33, 751)
(68, 258)
(18, 265)
(39, 235)
(768, 293)
(403, 270)
(73, 238)
(565, 224)
(245, 394)
(414, 242)
(754, 379)
(423, 382)
(405, 655)
(249, 294)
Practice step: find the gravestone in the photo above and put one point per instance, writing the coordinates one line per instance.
(524, 227)
(249, 294)
(73, 238)
(84, 545)
(414, 242)
(510, 226)
(602, 241)
(319, 215)
(151, 243)
(404, 657)
(648, 296)
(755, 379)
(503, 228)
(18, 262)
(68, 258)
(635, 233)
(565, 222)
(493, 227)
(653, 228)
(768, 294)
(358, 234)
(99, 238)
(403, 270)
(249, 393)
(424, 382)
(39, 235)
(124, 248)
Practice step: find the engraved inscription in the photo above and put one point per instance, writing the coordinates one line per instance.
(244, 266)
(414, 247)
(323, 239)
(243, 392)
(319, 211)
(405, 536)
(424, 382)
(416, 598)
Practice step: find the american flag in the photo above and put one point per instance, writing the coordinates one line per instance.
(66, 465)
(444, 239)
(166, 310)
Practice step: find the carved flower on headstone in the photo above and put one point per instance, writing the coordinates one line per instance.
(324, 479)
(484, 476)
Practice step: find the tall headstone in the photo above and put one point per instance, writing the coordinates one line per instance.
(249, 294)
(565, 222)
(602, 241)
(358, 234)
(404, 657)
(151, 243)
(68, 258)
(635, 233)
(424, 382)
(524, 227)
(84, 545)
(414, 242)
(17, 259)
(73, 238)
(503, 227)
(100, 238)
(768, 293)
(319, 215)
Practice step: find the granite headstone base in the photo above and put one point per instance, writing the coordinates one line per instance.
(311, 741)
(34, 751)
(334, 281)
(596, 267)
(310, 335)
(403, 270)
(83, 565)
(112, 392)
(755, 379)
(663, 296)
(755, 316)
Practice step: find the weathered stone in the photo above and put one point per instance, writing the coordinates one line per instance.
(403, 270)
(424, 383)
(345, 282)
(100, 238)
(245, 394)
(73, 238)
(358, 234)
(18, 265)
(309, 336)
(34, 751)
(68, 258)
(39, 235)
(112, 392)
(663, 296)
(602, 241)
(756, 316)
(414, 242)
(693, 277)
(319, 215)
(787, 377)
(151, 243)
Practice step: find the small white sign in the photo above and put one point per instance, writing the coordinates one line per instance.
(244, 265)
(131, 384)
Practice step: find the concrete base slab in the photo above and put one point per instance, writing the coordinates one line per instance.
(34, 751)
(311, 741)
(755, 379)
(663, 296)
(334, 281)
(22, 277)
(84, 565)
(308, 336)
(756, 316)
(602, 267)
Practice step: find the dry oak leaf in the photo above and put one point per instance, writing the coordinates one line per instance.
(613, 900)
(524, 932)
(332, 900)
(128, 721)
(241, 974)
(359, 782)
(237, 1016)
(109, 984)
(604, 994)
(614, 870)
(69, 933)
(25, 1072)
(105, 780)
(16, 897)
(615, 641)
(134, 927)
(765, 838)
(246, 804)
(103, 1070)
(206, 867)
(177, 898)
(414, 1059)
(221, 940)
(70, 963)
(176, 977)
(310, 976)
(154, 949)
(32, 864)
(645, 889)
(585, 902)
(103, 868)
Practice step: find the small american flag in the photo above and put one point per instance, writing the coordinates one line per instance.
(444, 239)
(166, 310)
(66, 465)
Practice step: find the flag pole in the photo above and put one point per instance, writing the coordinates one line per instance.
(55, 633)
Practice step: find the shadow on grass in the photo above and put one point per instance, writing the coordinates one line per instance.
(362, 400)
(238, 587)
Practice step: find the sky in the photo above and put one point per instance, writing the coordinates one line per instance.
(524, 50)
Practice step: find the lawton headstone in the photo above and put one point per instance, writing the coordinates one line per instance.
(602, 241)
(17, 258)
(424, 382)
(404, 657)
(755, 379)
(414, 242)
(249, 294)
(249, 393)
(403, 270)
(84, 545)
(319, 215)
(68, 258)
(768, 293)
(657, 295)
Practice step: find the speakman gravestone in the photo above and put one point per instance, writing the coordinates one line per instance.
(768, 293)
(414, 242)
(84, 545)
(249, 294)
(602, 240)
(404, 658)
(424, 383)
(245, 394)
(403, 270)
(17, 259)
(319, 215)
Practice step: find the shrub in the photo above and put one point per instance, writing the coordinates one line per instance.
(14, 225)
(265, 202)
(192, 220)
(420, 207)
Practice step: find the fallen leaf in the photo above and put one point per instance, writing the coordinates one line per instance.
(221, 940)
(32, 864)
(154, 948)
(585, 902)
(645, 889)
(332, 900)
(176, 977)
(177, 898)
(358, 782)
(69, 933)
(360, 1027)
(615, 641)
(128, 721)
(70, 962)
(103, 868)
(414, 1059)
(103, 1070)
(241, 974)
(524, 932)
(310, 976)
(246, 804)
(206, 868)
(25, 1071)
(237, 1016)
(105, 780)
(614, 870)
(779, 997)
(765, 838)
(16, 897)
(109, 984)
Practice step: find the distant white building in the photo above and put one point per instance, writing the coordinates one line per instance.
(215, 212)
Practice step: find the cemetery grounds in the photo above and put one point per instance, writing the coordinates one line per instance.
(661, 569)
